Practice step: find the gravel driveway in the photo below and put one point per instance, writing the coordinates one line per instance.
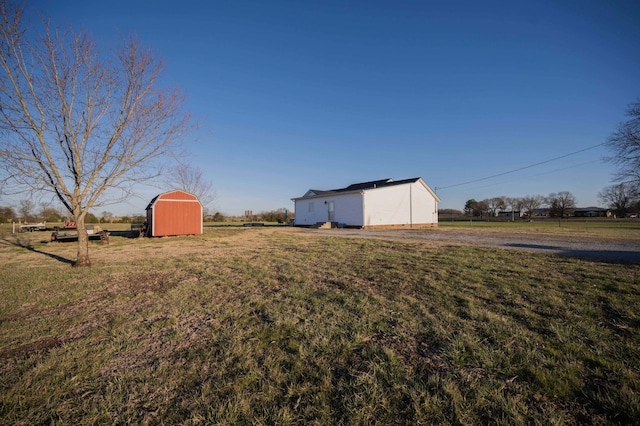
(591, 248)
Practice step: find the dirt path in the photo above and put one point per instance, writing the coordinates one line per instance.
(591, 248)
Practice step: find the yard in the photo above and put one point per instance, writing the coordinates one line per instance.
(278, 325)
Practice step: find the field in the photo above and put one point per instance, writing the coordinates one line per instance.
(279, 325)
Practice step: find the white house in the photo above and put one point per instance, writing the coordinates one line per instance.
(383, 203)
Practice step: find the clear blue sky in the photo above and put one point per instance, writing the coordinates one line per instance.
(293, 95)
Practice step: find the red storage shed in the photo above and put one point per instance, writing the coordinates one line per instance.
(174, 213)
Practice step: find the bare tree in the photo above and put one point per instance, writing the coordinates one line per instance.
(561, 204)
(482, 209)
(26, 209)
(107, 217)
(625, 144)
(190, 179)
(495, 204)
(515, 203)
(79, 124)
(531, 203)
(619, 197)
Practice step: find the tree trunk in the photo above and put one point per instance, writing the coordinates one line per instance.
(83, 243)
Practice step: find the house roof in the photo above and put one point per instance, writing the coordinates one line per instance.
(590, 209)
(362, 186)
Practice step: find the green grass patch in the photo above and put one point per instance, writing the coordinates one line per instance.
(270, 326)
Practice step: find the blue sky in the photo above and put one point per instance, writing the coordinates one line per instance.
(293, 95)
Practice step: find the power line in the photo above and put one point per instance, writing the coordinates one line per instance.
(519, 169)
(529, 176)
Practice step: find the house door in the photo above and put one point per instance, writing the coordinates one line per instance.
(332, 213)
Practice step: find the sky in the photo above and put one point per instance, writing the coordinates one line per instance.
(298, 95)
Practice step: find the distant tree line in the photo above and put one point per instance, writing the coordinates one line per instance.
(108, 217)
(28, 212)
(560, 204)
(622, 199)
(280, 215)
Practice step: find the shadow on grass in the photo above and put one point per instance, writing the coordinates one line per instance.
(609, 256)
(25, 243)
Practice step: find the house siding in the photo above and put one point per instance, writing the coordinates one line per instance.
(410, 205)
(347, 209)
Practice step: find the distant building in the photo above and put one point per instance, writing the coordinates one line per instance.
(542, 212)
(591, 212)
(513, 214)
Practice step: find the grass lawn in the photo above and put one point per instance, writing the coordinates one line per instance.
(275, 326)
(601, 228)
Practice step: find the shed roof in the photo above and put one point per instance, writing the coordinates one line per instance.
(184, 193)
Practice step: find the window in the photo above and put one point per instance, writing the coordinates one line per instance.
(311, 207)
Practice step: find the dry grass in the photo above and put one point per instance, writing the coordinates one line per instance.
(618, 229)
(277, 326)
